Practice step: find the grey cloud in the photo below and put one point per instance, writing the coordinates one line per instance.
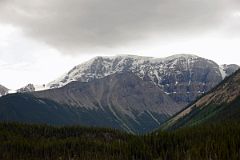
(78, 24)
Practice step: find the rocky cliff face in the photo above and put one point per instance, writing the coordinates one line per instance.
(3, 90)
(182, 77)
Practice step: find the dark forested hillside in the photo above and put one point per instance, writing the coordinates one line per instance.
(38, 142)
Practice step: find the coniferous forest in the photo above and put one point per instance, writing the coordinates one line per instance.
(42, 142)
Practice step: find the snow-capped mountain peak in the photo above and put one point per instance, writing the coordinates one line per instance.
(177, 75)
(183, 77)
(155, 68)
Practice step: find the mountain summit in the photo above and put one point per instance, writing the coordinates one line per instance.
(183, 77)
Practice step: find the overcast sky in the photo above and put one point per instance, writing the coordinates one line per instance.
(40, 40)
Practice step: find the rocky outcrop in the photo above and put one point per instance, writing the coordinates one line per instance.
(27, 88)
(3, 90)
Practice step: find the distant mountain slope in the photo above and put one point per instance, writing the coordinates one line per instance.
(183, 77)
(122, 101)
(221, 104)
(27, 108)
(3, 90)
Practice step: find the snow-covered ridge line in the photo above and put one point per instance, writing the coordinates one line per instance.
(167, 72)
(100, 67)
(137, 62)
(183, 77)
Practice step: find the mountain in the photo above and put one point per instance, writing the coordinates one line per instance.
(183, 77)
(122, 100)
(3, 90)
(132, 93)
(219, 105)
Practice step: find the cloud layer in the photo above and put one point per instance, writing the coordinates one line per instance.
(84, 24)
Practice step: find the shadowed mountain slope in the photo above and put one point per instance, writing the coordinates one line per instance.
(220, 104)
(122, 101)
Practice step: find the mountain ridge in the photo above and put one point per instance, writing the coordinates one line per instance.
(154, 69)
(184, 77)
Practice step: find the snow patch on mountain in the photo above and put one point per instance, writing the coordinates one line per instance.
(222, 71)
